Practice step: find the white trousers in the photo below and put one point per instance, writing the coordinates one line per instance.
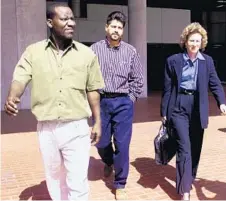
(65, 148)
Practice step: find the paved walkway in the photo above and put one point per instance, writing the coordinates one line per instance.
(22, 176)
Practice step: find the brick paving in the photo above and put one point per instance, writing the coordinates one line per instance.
(22, 176)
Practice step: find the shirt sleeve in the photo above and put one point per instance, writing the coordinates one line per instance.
(23, 70)
(136, 79)
(95, 80)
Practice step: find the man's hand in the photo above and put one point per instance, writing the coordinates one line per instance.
(94, 102)
(15, 92)
(11, 105)
(223, 109)
(95, 133)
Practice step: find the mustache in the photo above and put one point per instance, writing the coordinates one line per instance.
(115, 34)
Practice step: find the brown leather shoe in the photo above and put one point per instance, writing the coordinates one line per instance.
(120, 194)
(108, 170)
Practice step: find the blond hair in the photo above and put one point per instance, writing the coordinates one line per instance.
(194, 27)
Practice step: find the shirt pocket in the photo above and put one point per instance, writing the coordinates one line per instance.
(77, 78)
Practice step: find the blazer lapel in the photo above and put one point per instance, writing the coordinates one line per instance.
(202, 68)
(178, 68)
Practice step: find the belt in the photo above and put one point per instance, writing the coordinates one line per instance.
(112, 95)
(187, 91)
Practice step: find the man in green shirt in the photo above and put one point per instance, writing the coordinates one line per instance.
(65, 78)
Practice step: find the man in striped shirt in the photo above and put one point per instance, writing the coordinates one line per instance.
(122, 72)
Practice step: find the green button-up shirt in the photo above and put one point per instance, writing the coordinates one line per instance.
(59, 82)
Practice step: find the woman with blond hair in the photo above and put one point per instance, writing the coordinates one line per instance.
(188, 75)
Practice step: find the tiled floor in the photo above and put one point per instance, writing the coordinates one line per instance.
(22, 176)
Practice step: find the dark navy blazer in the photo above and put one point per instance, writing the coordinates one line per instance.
(207, 78)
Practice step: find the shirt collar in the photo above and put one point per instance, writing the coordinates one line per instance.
(198, 56)
(108, 43)
(49, 42)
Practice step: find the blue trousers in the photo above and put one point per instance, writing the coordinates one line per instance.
(189, 135)
(117, 119)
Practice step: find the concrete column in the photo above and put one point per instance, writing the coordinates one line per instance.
(76, 7)
(137, 33)
(9, 46)
(23, 22)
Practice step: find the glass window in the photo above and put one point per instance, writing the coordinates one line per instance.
(218, 17)
(218, 33)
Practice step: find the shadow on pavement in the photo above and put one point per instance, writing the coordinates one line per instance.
(37, 192)
(152, 175)
(95, 172)
(218, 189)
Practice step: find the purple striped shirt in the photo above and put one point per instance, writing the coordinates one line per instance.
(121, 68)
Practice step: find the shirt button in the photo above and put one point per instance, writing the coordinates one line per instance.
(60, 91)
(61, 78)
(59, 103)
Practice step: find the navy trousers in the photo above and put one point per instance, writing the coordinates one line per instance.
(189, 135)
(117, 118)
